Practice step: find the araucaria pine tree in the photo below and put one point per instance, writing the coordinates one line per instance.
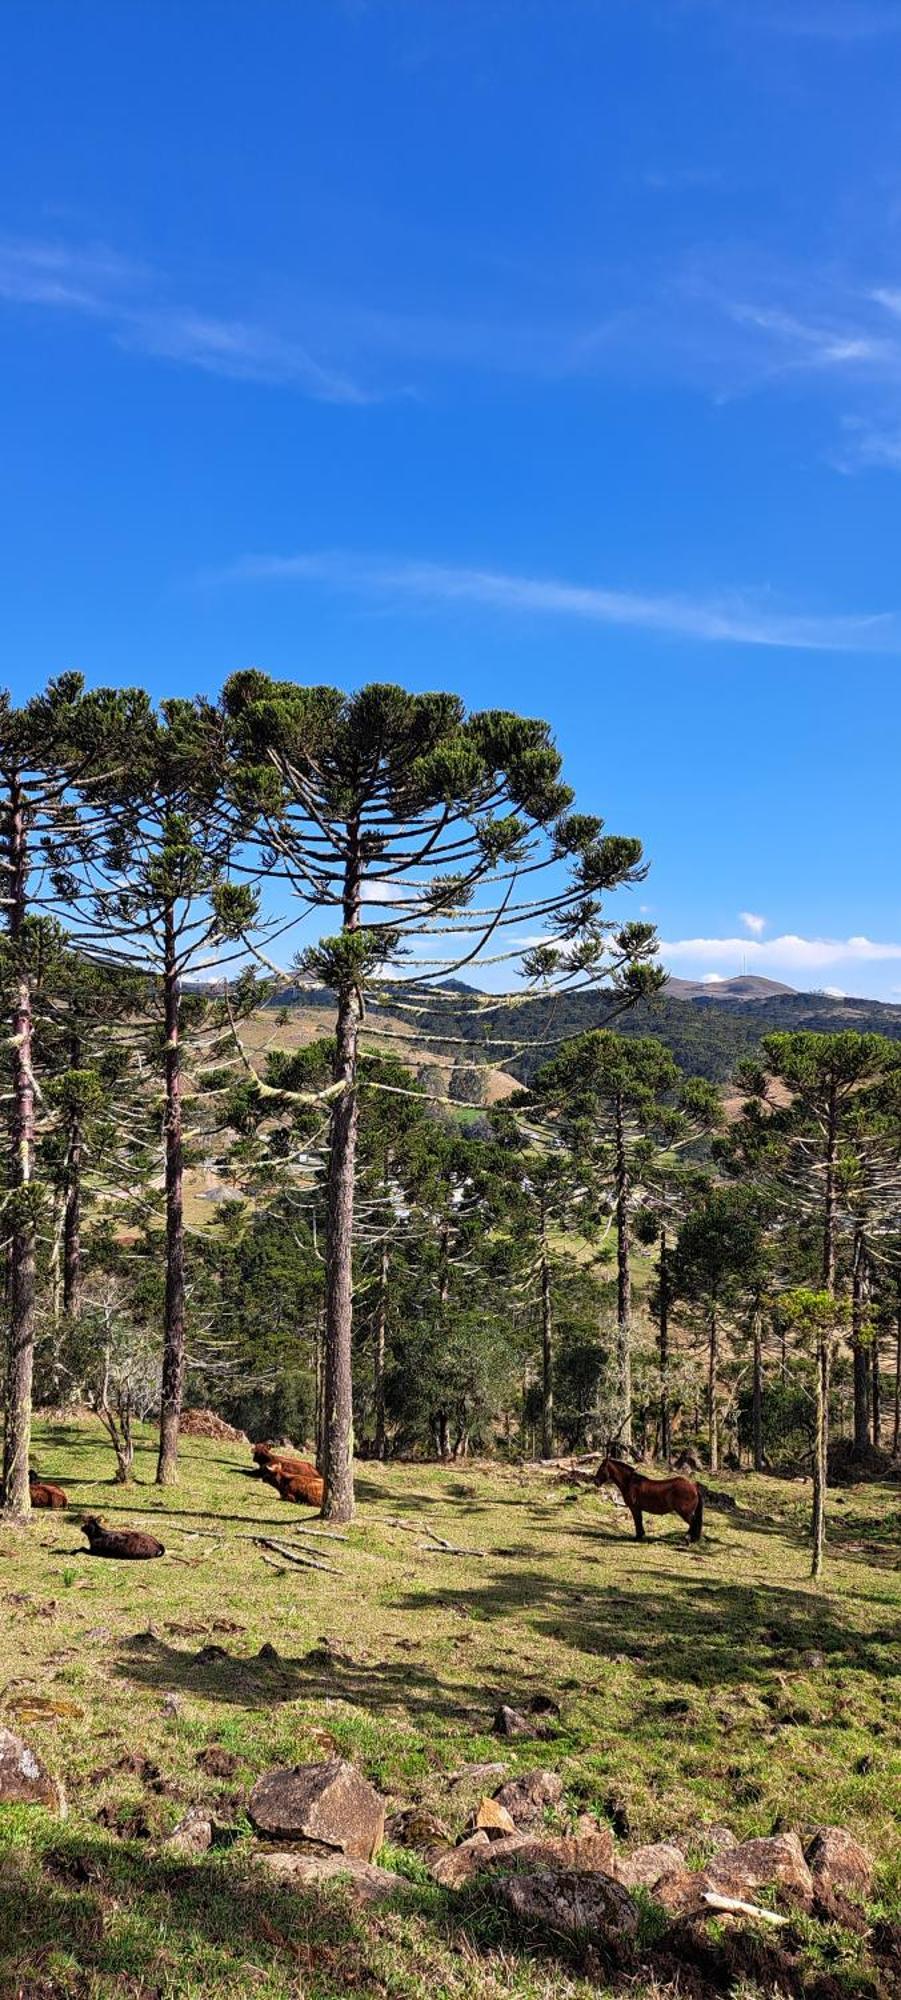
(157, 880)
(435, 837)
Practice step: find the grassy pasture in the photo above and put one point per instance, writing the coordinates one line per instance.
(695, 1685)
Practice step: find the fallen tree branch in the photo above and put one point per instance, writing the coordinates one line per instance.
(306, 1561)
(732, 1906)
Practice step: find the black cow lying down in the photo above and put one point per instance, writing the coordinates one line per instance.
(128, 1544)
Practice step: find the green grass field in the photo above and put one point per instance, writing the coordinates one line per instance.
(701, 1684)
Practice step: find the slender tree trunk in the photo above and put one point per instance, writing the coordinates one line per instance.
(379, 1366)
(72, 1222)
(821, 1453)
(861, 1358)
(666, 1421)
(547, 1358)
(876, 1402)
(623, 1285)
(829, 1198)
(896, 1426)
(320, 1390)
(23, 1279)
(757, 1391)
(174, 1331)
(338, 1502)
(713, 1369)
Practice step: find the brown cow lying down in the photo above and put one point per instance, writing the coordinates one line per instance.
(126, 1543)
(273, 1448)
(301, 1483)
(279, 1462)
(43, 1494)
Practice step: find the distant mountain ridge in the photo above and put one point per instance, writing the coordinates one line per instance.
(708, 1026)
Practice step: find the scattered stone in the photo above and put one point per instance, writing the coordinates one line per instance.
(580, 1854)
(418, 1829)
(457, 1867)
(363, 1882)
(493, 1817)
(217, 1762)
(777, 1862)
(838, 1863)
(528, 1798)
(472, 1774)
(586, 1854)
(24, 1780)
(42, 1708)
(331, 1806)
(193, 1834)
(512, 1722)
(710, 1840)
(570, 1903)
(646, 1867)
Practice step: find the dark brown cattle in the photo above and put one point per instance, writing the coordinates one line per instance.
(653, 1496)
(277, 1463)
(43, 1494)
(125, 1544)
(306, 1486)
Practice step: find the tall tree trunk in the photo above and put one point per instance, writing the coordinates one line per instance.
(860, 1352)
(547, 1358)
(72, 1222)
(666, 1419)
(713, 1370)
(829, 1197)
(320, 1390)
(623, 1285)
(757, 1390)
(820, 1453)
(896, 1426)
(876, 1385)
(379, 1362)
(22, 1235)
(338, 1502)
(174, 1331)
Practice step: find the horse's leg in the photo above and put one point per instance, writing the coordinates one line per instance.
(639, 1524)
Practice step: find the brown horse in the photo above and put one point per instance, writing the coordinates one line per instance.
(653, 1496)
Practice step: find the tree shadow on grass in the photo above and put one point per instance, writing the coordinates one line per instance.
(86, 1919)
(324, 1673)
(711, 1632)
(121, 1914)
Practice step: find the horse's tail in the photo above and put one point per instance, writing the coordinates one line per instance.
(696, 1522)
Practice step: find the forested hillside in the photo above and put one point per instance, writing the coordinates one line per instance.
(708, 1034)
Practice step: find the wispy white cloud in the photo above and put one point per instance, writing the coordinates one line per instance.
(733, 620)
(129, 300)
(786, 953)
(756, 925)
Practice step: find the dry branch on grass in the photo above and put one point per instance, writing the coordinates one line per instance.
(306, 1561)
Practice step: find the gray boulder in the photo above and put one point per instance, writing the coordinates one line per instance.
(567, 1903)
(646, 1867)
(364, 1882)
(24, 1780)
(839, 1864)
(330, 1807)
(528, 1798)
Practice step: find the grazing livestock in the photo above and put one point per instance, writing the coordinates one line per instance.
(128, 1544)
(43, 1494)
(303, 1484)
(653, 1496)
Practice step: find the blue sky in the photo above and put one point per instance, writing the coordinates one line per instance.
(545, 349)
